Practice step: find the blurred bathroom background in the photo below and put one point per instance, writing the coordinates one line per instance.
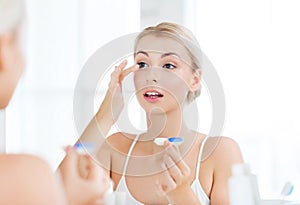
(254, 46)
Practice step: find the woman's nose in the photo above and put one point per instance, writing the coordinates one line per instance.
(152, 75)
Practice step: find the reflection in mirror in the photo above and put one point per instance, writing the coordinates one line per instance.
(256, 57)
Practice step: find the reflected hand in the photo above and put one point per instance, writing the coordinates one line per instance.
(176, 174)
(113, 100)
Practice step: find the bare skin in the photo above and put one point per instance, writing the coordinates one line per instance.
(213, 175)
(23, 176)
(27, 179)
(11, 66)
(173, 185)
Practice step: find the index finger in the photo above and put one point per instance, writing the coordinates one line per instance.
(128, 71)
(69, 163)
(178, 161)
(174, 153)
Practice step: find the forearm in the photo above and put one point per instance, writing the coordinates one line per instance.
(96, 129)
(110, 108)
(100, 124)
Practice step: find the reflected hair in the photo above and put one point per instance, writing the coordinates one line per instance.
(11, 12)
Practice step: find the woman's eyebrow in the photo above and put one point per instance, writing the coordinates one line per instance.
(142, 52)
(162, 56)
(170, 54)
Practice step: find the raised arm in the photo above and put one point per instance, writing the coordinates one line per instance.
(110, 108)
(74, 171)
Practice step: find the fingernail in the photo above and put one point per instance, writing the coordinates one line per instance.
(67, 148)
(157, 182)
(166, 143)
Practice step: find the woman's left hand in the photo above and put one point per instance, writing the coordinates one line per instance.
(176, 174)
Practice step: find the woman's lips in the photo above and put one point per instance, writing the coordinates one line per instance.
(152, 96)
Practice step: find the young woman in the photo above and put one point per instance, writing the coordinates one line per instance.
(27, 179)
(167, 76)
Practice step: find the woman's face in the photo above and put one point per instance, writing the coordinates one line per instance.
(165, 77)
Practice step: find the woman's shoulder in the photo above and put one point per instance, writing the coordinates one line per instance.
(223, 150)
(118, 137)
(25, 160)
(121, 141)
(32, 175)
(222, 143)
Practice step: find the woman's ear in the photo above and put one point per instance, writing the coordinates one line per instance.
(1, 53)
(196, 80)
(11, 56)
(11, 66)
(5, 43)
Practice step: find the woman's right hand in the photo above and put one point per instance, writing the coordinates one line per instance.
(113, 102)
(83, 189)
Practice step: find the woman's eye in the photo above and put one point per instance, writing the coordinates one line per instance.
(142, 65)
(169, 66)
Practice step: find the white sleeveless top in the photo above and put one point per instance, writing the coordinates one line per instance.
(196, 186)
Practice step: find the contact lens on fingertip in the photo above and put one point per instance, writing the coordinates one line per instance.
(173, 140)
(176, 140)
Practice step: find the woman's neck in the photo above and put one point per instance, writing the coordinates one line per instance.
(161, 124)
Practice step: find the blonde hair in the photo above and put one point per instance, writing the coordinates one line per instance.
(11, 12)
(186, 38)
